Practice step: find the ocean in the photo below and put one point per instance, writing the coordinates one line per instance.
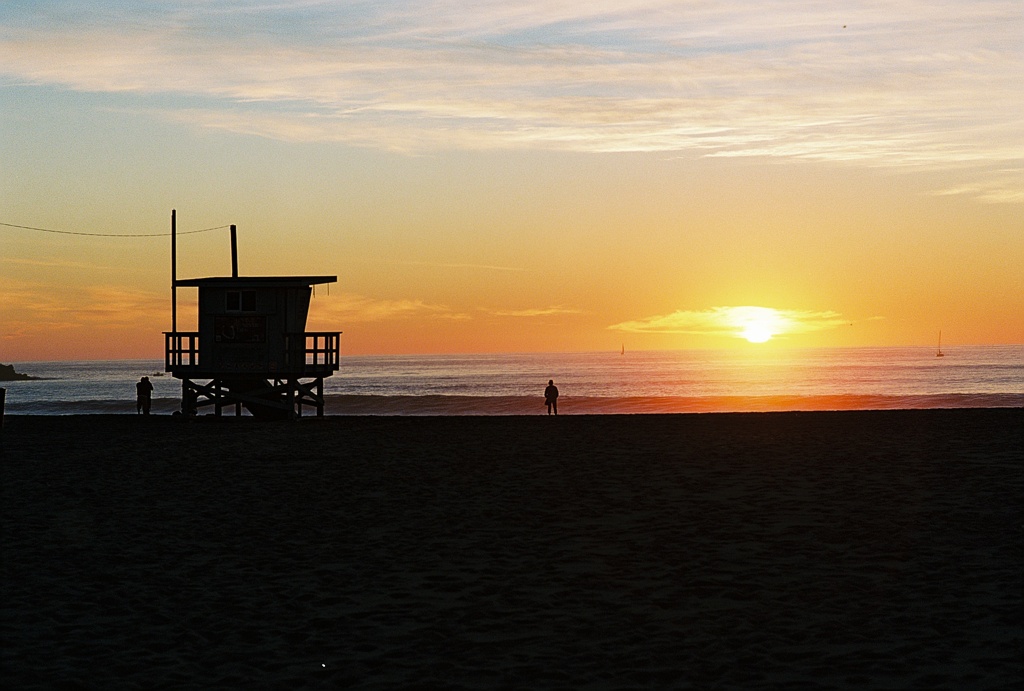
(589, 383)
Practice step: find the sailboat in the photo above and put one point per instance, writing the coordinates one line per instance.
(938, 351)
(623, 351)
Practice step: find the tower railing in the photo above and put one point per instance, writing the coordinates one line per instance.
(305, 353)
(316, 350)
(181, 349)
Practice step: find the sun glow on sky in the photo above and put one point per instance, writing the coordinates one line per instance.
(757, 333)
(758, 324)
(752, 323)
(545, 175)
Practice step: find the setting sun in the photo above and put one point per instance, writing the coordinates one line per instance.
(757, 333)
(757, 324)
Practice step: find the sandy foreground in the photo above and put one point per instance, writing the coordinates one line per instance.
(852, 550)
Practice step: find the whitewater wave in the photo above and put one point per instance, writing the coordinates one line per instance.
(348, 404)
(597, 405)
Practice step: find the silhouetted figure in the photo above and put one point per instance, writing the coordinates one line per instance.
(143, 396)
(551, 397)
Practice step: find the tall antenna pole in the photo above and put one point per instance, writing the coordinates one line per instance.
(174, 273)
(234, 253)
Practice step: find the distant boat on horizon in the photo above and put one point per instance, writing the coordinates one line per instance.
(623, 351)
(938, 351)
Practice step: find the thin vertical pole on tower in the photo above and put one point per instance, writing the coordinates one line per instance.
(174, 274)
(234, 253)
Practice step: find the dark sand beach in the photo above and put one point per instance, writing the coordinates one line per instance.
(851, 550)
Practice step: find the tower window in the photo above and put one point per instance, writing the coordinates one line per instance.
(241, 301)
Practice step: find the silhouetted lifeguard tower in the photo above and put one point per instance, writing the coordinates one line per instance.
(252, 348)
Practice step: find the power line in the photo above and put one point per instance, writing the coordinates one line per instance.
(111, 235)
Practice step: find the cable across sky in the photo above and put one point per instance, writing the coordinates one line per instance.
(112, 235)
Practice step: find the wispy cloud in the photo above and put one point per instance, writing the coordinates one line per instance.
(916, 84)
(535, 312)
(351, 307)
(742, 322)
(461, 265)
(53, 263)
(447, 265)
(36, 308)
(116, 305)
(1007, 188)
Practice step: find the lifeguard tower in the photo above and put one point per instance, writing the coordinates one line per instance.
(252, 349)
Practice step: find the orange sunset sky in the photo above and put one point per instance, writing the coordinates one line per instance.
(518, 176)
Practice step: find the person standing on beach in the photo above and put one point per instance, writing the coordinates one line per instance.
(143, 396)
(551, 397)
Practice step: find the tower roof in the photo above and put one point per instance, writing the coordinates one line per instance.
(255, 281)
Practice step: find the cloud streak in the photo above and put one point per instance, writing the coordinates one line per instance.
(29, 308)
(911, 85)
(535, 312)
(55, 263)
(461, 265)
(354, 308)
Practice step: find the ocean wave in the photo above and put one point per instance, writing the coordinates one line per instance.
(161, 406)
(597, 405)
(350, 404)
